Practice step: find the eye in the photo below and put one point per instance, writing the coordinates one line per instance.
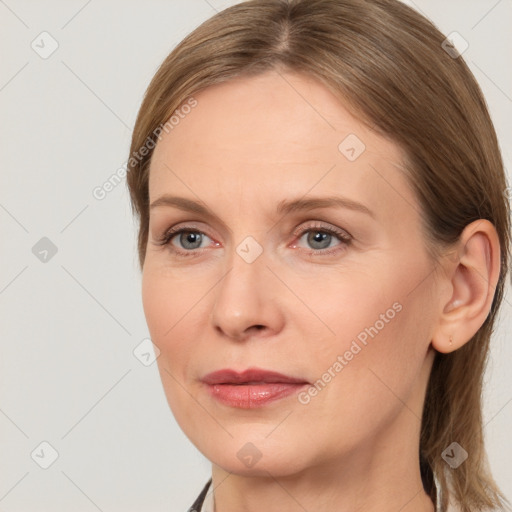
(319, 238)
(189, 240)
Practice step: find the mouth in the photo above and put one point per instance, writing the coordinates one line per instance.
(251, 388)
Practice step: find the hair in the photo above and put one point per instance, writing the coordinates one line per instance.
(386, 62)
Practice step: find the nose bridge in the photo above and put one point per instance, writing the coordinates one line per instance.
(244, 298)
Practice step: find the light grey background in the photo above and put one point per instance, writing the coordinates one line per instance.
(68, 375)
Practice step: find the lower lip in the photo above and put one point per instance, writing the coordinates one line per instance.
(251, 396)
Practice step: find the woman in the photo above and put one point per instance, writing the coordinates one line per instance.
(324, 243)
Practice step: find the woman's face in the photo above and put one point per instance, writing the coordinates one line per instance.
(338, 295)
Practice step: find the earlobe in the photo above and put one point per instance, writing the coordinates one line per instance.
(473, 278)
(448, 343)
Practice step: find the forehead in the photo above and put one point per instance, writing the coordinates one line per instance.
(273, 135)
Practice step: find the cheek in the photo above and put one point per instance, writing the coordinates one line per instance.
(381, 336)
(155, 305)
(355, 310)
(166, 300)
(164, 306)
(175, 316)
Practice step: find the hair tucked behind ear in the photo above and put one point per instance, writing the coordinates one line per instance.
(386, 62)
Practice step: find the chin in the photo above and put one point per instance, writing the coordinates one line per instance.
(250, 455)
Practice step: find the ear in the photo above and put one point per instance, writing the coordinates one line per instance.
(472, 272)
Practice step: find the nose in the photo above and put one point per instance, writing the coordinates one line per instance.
(247, 301)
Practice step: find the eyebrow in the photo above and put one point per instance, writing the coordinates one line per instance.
(284, 207)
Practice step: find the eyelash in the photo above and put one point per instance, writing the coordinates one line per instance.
(342, 236)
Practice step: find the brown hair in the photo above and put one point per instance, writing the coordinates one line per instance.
(387, 62)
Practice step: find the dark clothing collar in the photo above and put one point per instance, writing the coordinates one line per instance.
(198, 504)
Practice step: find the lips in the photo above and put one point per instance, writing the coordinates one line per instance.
(252, 375)
(251, 388)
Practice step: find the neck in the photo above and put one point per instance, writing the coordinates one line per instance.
(319, 492)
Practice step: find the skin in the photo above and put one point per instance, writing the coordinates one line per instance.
(249, 144)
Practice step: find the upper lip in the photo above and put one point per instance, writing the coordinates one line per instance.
(251, 375)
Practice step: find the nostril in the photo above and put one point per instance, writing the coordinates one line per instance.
(258, 327)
